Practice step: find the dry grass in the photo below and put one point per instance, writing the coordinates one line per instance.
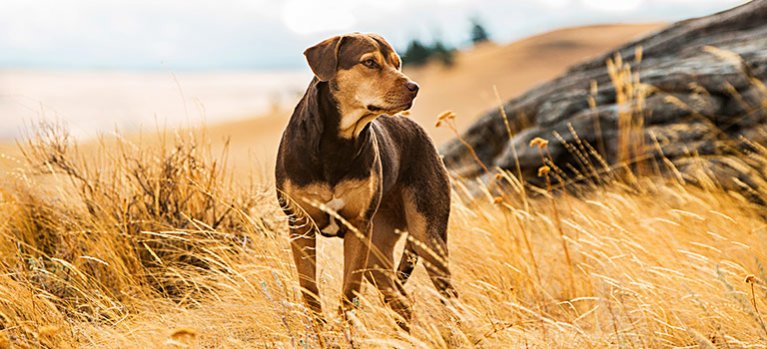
(91, 257)
(136, 246)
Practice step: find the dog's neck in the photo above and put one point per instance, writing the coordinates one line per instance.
(316, 123)
(352, 117)
(353, 122)
(339, 123)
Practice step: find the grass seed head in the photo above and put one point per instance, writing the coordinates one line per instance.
(539, 142)
(543, 170)
(444, 117)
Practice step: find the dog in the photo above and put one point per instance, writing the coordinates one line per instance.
(349, 167)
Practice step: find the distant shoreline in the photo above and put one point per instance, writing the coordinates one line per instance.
(91, 102)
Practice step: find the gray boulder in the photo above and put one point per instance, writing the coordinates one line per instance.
(700, 94)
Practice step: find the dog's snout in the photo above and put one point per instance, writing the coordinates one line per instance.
(412, 87)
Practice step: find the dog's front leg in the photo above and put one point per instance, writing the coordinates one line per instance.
(303, 242)
(356, 251)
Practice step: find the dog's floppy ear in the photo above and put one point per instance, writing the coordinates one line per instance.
(323, 58)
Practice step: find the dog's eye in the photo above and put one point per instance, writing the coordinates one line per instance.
(370, 63)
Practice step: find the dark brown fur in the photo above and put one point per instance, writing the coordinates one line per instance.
(380, 174)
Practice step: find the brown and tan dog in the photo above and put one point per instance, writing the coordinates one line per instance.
(346, 168)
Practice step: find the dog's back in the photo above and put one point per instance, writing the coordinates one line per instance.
(410, 159)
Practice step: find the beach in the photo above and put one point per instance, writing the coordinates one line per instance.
(94, 102)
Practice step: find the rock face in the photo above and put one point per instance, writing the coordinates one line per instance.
(693, 90)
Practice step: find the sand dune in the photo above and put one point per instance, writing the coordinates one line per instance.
(466, 88)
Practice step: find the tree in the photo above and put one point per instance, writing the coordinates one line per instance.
(418, 53)
(478, 32)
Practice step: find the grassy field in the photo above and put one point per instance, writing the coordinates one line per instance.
(157, 246)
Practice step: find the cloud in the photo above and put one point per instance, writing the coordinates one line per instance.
(203, 34)
(613, 5)
(309, 16)
(556, 4)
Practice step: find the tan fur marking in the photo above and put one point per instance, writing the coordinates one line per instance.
(369, 55)
(416, 222)
(300, 196)
(419, 232)
(357, 196)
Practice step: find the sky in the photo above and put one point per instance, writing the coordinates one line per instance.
(267, 34)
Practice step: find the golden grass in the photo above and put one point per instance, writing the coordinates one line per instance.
(652, 265)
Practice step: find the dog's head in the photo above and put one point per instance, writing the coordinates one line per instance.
(363, 71)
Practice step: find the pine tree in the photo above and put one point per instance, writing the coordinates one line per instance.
(478, 32)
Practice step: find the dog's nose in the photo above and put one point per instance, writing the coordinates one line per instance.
(412, 87)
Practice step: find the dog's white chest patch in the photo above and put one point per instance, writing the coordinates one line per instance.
(335, 205)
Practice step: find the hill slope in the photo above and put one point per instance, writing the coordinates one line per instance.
(467, 88)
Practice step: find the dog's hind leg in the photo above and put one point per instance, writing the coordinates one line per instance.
(381, 267)
(407, 263)
(428, 239)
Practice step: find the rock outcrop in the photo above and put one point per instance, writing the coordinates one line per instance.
(694, 90)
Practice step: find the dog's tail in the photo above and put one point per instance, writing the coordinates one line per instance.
(407, 262)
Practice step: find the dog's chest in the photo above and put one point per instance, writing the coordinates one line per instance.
(349, 199)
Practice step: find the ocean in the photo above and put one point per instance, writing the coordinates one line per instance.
(90, 103)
